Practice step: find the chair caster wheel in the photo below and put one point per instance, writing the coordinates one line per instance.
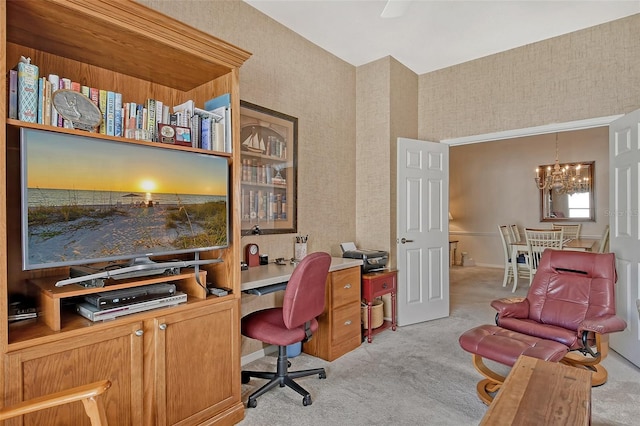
(306, 400)
(244, 378)
(252, 403)
(322, 375)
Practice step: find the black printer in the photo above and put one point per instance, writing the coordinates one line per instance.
(372, 260)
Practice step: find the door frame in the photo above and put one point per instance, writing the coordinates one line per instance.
(532, 131)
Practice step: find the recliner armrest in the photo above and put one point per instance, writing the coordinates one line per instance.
(511, 307)
(602, 325)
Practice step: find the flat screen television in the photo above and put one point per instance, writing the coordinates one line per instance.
(89, 200)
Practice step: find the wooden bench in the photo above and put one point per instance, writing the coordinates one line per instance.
(538, 392)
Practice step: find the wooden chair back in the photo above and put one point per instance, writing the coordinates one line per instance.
(604, 241)
(538, 240)
(571, 231)
(88, 394)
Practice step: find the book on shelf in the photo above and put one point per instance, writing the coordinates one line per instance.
(221, 105)
(13, 94)
(118, 118)
(27, 90)
(102, 105)
(111, 113)
(41, 100)
(54, 79)
(48, 101)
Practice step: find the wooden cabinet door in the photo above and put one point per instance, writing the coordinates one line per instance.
(112, 353)
(196, 365)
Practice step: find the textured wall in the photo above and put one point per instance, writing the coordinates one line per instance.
(386, 104)
(585, 74)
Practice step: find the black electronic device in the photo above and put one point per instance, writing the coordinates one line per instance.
(372, 260)
(127, 296)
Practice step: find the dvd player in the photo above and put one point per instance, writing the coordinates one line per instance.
(92, 313)
(127, 296)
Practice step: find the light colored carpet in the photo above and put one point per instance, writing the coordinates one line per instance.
(419, 375)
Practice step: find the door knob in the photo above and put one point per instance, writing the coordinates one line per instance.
(404, 240)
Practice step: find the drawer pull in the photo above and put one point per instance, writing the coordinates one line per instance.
(139, 333)
(385, 285)
(347, 286)
(162, 326)
(347, 322)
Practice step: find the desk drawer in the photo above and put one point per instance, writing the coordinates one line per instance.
(345, 287)
(345, 323)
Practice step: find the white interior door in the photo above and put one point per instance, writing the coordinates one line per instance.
(624, 159)
(422, 231)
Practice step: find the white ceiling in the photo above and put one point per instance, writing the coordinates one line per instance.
(432, 34)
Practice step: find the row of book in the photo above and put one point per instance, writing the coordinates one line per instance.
(263, 205)
(254, 171)
(31, 100)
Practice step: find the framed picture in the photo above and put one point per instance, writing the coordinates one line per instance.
(268, 141)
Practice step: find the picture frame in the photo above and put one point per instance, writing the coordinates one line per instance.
(269, 144)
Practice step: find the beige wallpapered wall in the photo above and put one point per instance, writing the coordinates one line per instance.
(585, 74)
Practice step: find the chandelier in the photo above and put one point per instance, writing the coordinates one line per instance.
(563, 179)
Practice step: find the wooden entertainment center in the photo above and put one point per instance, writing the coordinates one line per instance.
(176, 365)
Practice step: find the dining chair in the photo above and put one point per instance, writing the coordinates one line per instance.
(604, 241)
(539, 240)
(516, 237)
(505, 238)
(571, 231)
(521, 263)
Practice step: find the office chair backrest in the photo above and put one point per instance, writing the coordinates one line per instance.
(571, 286)
(305, 293)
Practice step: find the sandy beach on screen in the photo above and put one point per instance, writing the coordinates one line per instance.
(133, 229)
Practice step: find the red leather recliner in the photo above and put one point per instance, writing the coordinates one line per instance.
(571, 301)
(566, 317)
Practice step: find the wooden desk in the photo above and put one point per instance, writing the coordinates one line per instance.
(265, 275)
(539, 392)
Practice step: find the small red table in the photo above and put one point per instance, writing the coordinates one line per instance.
(376, 284)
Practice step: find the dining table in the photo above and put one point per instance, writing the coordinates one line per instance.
(576, 244)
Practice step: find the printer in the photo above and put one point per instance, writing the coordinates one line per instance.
(372, 260)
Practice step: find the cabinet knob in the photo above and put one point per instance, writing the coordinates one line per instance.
(347, 286)
(139, 333)
(384, 285)
(347, 322)
(162, 326)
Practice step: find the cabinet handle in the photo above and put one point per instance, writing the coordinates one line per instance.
(347, 286)
(384, 285)
(162, 326)
(347, 322)
(139, 333)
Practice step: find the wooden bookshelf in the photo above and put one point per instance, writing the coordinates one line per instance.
(156, 360)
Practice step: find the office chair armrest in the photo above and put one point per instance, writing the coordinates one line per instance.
(511, 307)
(602, 325)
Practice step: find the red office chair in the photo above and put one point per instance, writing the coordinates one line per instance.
(294, 322)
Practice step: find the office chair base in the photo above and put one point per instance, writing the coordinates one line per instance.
(282, 377)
